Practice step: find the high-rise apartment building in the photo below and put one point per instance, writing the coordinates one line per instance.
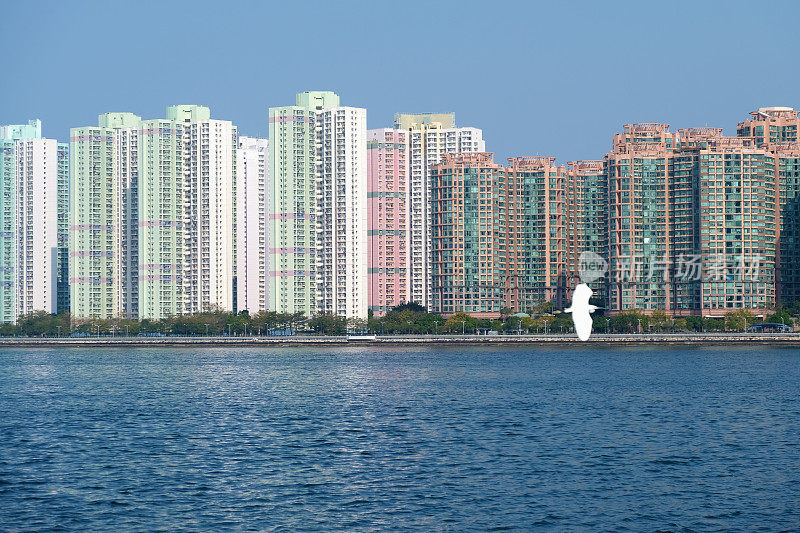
(430, 137)
(341, 162)
(467, 252)
(587, 216)
(103, 165)
(293, 237)
(388, 210)
(692, 221)
(775, 130)
(770, 126)
(152, 230)
(7, 221)
(723, 198)
(318, 256)
(787, 178)
(499, 234)
(34, 186)
(253, 189)
(639, 172)
(8, 186)
(536, 244)
(156, 223)
(41, 232)
(209, 199)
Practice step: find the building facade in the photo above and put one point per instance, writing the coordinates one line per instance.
(34, 189)
(388, 207)
(253, 189)
(587, 218)
(466, 244)
(152, 215)
(499, 234)
(723, 213)
(775, 130)
(100, 162)
(535, 220)
(318, 165)
(209, 199)
(430, 137)
(293, 228)
(341, 163)
(8, 185)
(787, 177)
(693, 221)
(153, 268)
(41, 229)
(639, 222)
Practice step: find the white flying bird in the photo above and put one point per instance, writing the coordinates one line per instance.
(581, 311)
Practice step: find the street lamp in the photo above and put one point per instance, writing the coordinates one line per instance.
(206, 330)
(98, 331)
(640, 325)
(608, 325)
(463, 327)
(59, 330)
(229, 330)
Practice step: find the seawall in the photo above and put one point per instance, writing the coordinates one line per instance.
(733, 339)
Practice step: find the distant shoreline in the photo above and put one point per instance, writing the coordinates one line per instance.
(739, 339)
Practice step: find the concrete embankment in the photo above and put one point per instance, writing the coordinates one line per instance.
(741, 339)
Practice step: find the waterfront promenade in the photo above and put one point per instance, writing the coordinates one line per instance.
(777, 339)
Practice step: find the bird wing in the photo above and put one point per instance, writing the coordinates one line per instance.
(583, 324)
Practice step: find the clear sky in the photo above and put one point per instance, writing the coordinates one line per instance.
(540, 78)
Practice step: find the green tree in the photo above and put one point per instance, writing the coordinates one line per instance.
(694, 323)
(781, 316)
(739, 320)
(356, 325)
(328, 324)
(296, 320)
(460, 322)
(562, 323)
(39, 324)
(8, 330)
(629, 321)
(542, 308)
(264, 322)
(599, 324)
(430, 323)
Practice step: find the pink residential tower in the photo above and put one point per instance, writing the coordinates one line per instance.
(388, 211)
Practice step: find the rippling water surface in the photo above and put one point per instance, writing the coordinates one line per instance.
(401, 438)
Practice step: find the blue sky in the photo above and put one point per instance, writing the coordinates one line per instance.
(550, 78)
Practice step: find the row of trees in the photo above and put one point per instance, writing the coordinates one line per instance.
(43, 324)
(659, 321)
(404, 319)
